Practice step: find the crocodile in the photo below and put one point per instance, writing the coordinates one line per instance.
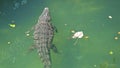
(43, 37)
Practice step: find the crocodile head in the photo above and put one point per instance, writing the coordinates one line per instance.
(45, 16)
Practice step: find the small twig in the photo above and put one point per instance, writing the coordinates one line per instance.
(76, 41)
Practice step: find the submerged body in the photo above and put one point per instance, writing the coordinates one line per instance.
(43, 36)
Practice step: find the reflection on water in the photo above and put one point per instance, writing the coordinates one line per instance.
(18, 4)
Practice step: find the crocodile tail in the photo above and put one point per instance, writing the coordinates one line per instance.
(45, 57)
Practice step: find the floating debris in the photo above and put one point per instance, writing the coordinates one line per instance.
(9, 43)
(116, 38)
(65, 24)
(12, 25)
(118, 32)
(27, 34)
(73, 31)
(110, 17)
(86, 37)
(111, 52)
(95, 65)
(78, 35)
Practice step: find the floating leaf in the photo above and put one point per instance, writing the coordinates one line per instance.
(12, 25)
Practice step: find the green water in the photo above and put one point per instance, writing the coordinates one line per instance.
(89, 16)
